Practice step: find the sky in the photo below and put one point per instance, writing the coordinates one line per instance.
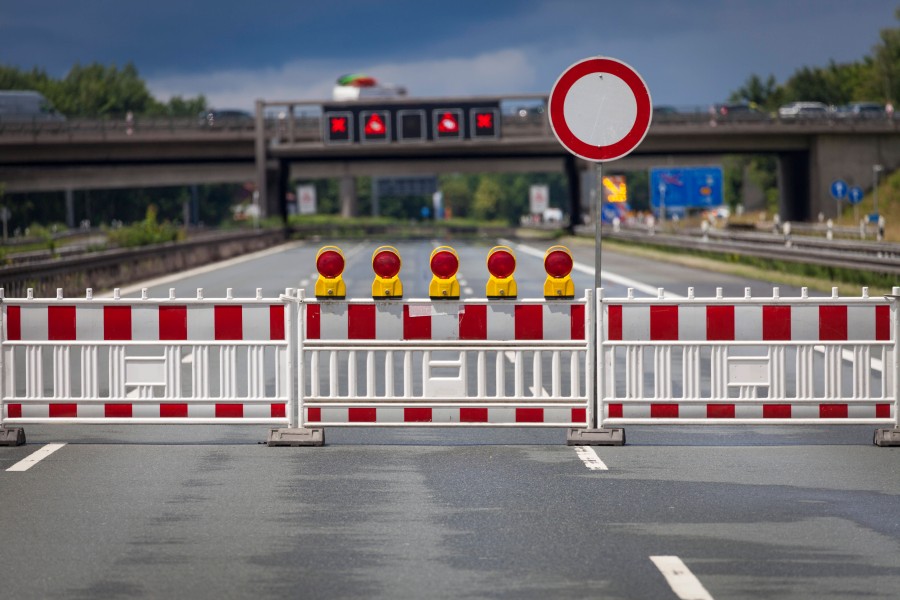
(691, 53)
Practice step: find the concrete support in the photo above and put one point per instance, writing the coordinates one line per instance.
(70, 208)
(793, 186)
(348, 196)
(574, 179)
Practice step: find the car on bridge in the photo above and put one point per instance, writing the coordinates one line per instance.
(27, 105)
(737, 111)
(804, 110)
(862, 110)
(225, 118)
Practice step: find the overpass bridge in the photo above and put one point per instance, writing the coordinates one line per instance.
(288, 140)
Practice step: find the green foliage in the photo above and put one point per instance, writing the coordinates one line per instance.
(96, 90)
(148, 231)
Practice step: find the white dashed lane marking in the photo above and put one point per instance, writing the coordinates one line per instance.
(34, 458)
(590, 458)
(685, 585)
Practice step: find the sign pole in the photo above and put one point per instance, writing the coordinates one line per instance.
(597, 221)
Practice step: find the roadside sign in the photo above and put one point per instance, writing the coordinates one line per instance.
(839, 189)
(600, 109)
(306, 199)
(538, 199)
(855, 194)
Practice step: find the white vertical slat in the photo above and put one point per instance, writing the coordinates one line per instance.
(662, 381)
(500, 374)
(351, 374)
(314, 373)
(519, 374)
(690, 372)
(370, 374)
(555, 375)
(333, 374)
(34, 372)
(117, 371)
(634, 372)
(173, 372)
(805, 388)
(90, 376)
(62, 381)
(407, 374)
(537, 373)
(389, 390)
(777, 382)
(718, 368)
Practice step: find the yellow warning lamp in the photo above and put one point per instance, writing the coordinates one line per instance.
(501, 264)
(386, 264)
(558, 263)
(444, 265)
(330, 265)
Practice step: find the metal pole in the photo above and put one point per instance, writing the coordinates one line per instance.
(597, 220)
(876, 169)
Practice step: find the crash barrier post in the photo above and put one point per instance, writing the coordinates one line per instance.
(159, 361)
(749, 361)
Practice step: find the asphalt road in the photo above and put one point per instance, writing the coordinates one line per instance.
(209, 512)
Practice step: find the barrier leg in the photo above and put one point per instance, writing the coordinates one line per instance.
(891, 437)
(595, 434)
(12, 436)
(295, 434)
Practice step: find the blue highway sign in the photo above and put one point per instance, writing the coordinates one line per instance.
(855, 194)
(839, 189)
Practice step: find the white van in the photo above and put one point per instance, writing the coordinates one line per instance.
(803, 109)
(26, 106)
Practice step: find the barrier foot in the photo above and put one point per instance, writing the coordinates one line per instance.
(887, 437)
(12, 436)
(595, 437)
(299, 436)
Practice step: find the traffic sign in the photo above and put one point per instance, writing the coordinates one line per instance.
(839, 189)
(600, 109)
(338, 127)
(855, 194)
(375, 126)
(448, 123)
(484, 122)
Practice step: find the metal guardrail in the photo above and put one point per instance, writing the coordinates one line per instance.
(873, 257)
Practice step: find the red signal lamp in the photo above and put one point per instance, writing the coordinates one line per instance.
(386, 263)
(501, 264)
(558, 264)
(444, 263)
(330, 265)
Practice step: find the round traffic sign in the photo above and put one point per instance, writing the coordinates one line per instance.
(839, 189)
(600, 109)
(855, 195)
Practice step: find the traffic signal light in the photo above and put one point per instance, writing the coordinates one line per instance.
(375, 126)
(411, 125)
(338, 127)
(448, 123)
(483, 122)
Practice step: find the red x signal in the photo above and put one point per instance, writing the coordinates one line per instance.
(338, 124)
(484, 120)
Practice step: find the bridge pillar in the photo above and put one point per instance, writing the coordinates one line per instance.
(348, 196)
(70, 208)
(573, 175)
(793, 186)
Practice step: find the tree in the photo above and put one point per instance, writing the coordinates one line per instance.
(886, 63)
(756, 92)
(488, 196)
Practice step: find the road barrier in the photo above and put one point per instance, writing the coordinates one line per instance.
(591, 365)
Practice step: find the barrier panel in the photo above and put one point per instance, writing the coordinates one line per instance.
(785, 361)
(145, 360)
(445, 363)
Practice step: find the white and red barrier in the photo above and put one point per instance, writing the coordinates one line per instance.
(155, 360)
(748, 360)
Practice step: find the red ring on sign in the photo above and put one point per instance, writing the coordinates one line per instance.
(558, 98)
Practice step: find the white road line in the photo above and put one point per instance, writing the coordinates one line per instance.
(685, 585)
(590, 458)
(33, 459)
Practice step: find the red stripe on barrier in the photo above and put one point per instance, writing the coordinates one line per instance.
(361, 321)
(663, 323)
(229, 322)
(529, 321)
(313, 321)
(173, 322)
(579, 415)
(117, 411)
(529, 415)
(361, 415)
(720, 323)
(63, 411)
(278, 410)
(116, 322)
(61, 322)
(314, 415)
(720, 411)
(832, 322)
(883, 323)
(276, 322)
(229, 411)
(614, 411)
(14, 411)
(416, 328)
(663, 411)
(614, 322)
(776, 411)
(577, 332)
(417, 415)
(833, 411)
(776, 325)
(473, 322)
(173, 411)
(473, 415)
(883, 411)
(14, 323)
